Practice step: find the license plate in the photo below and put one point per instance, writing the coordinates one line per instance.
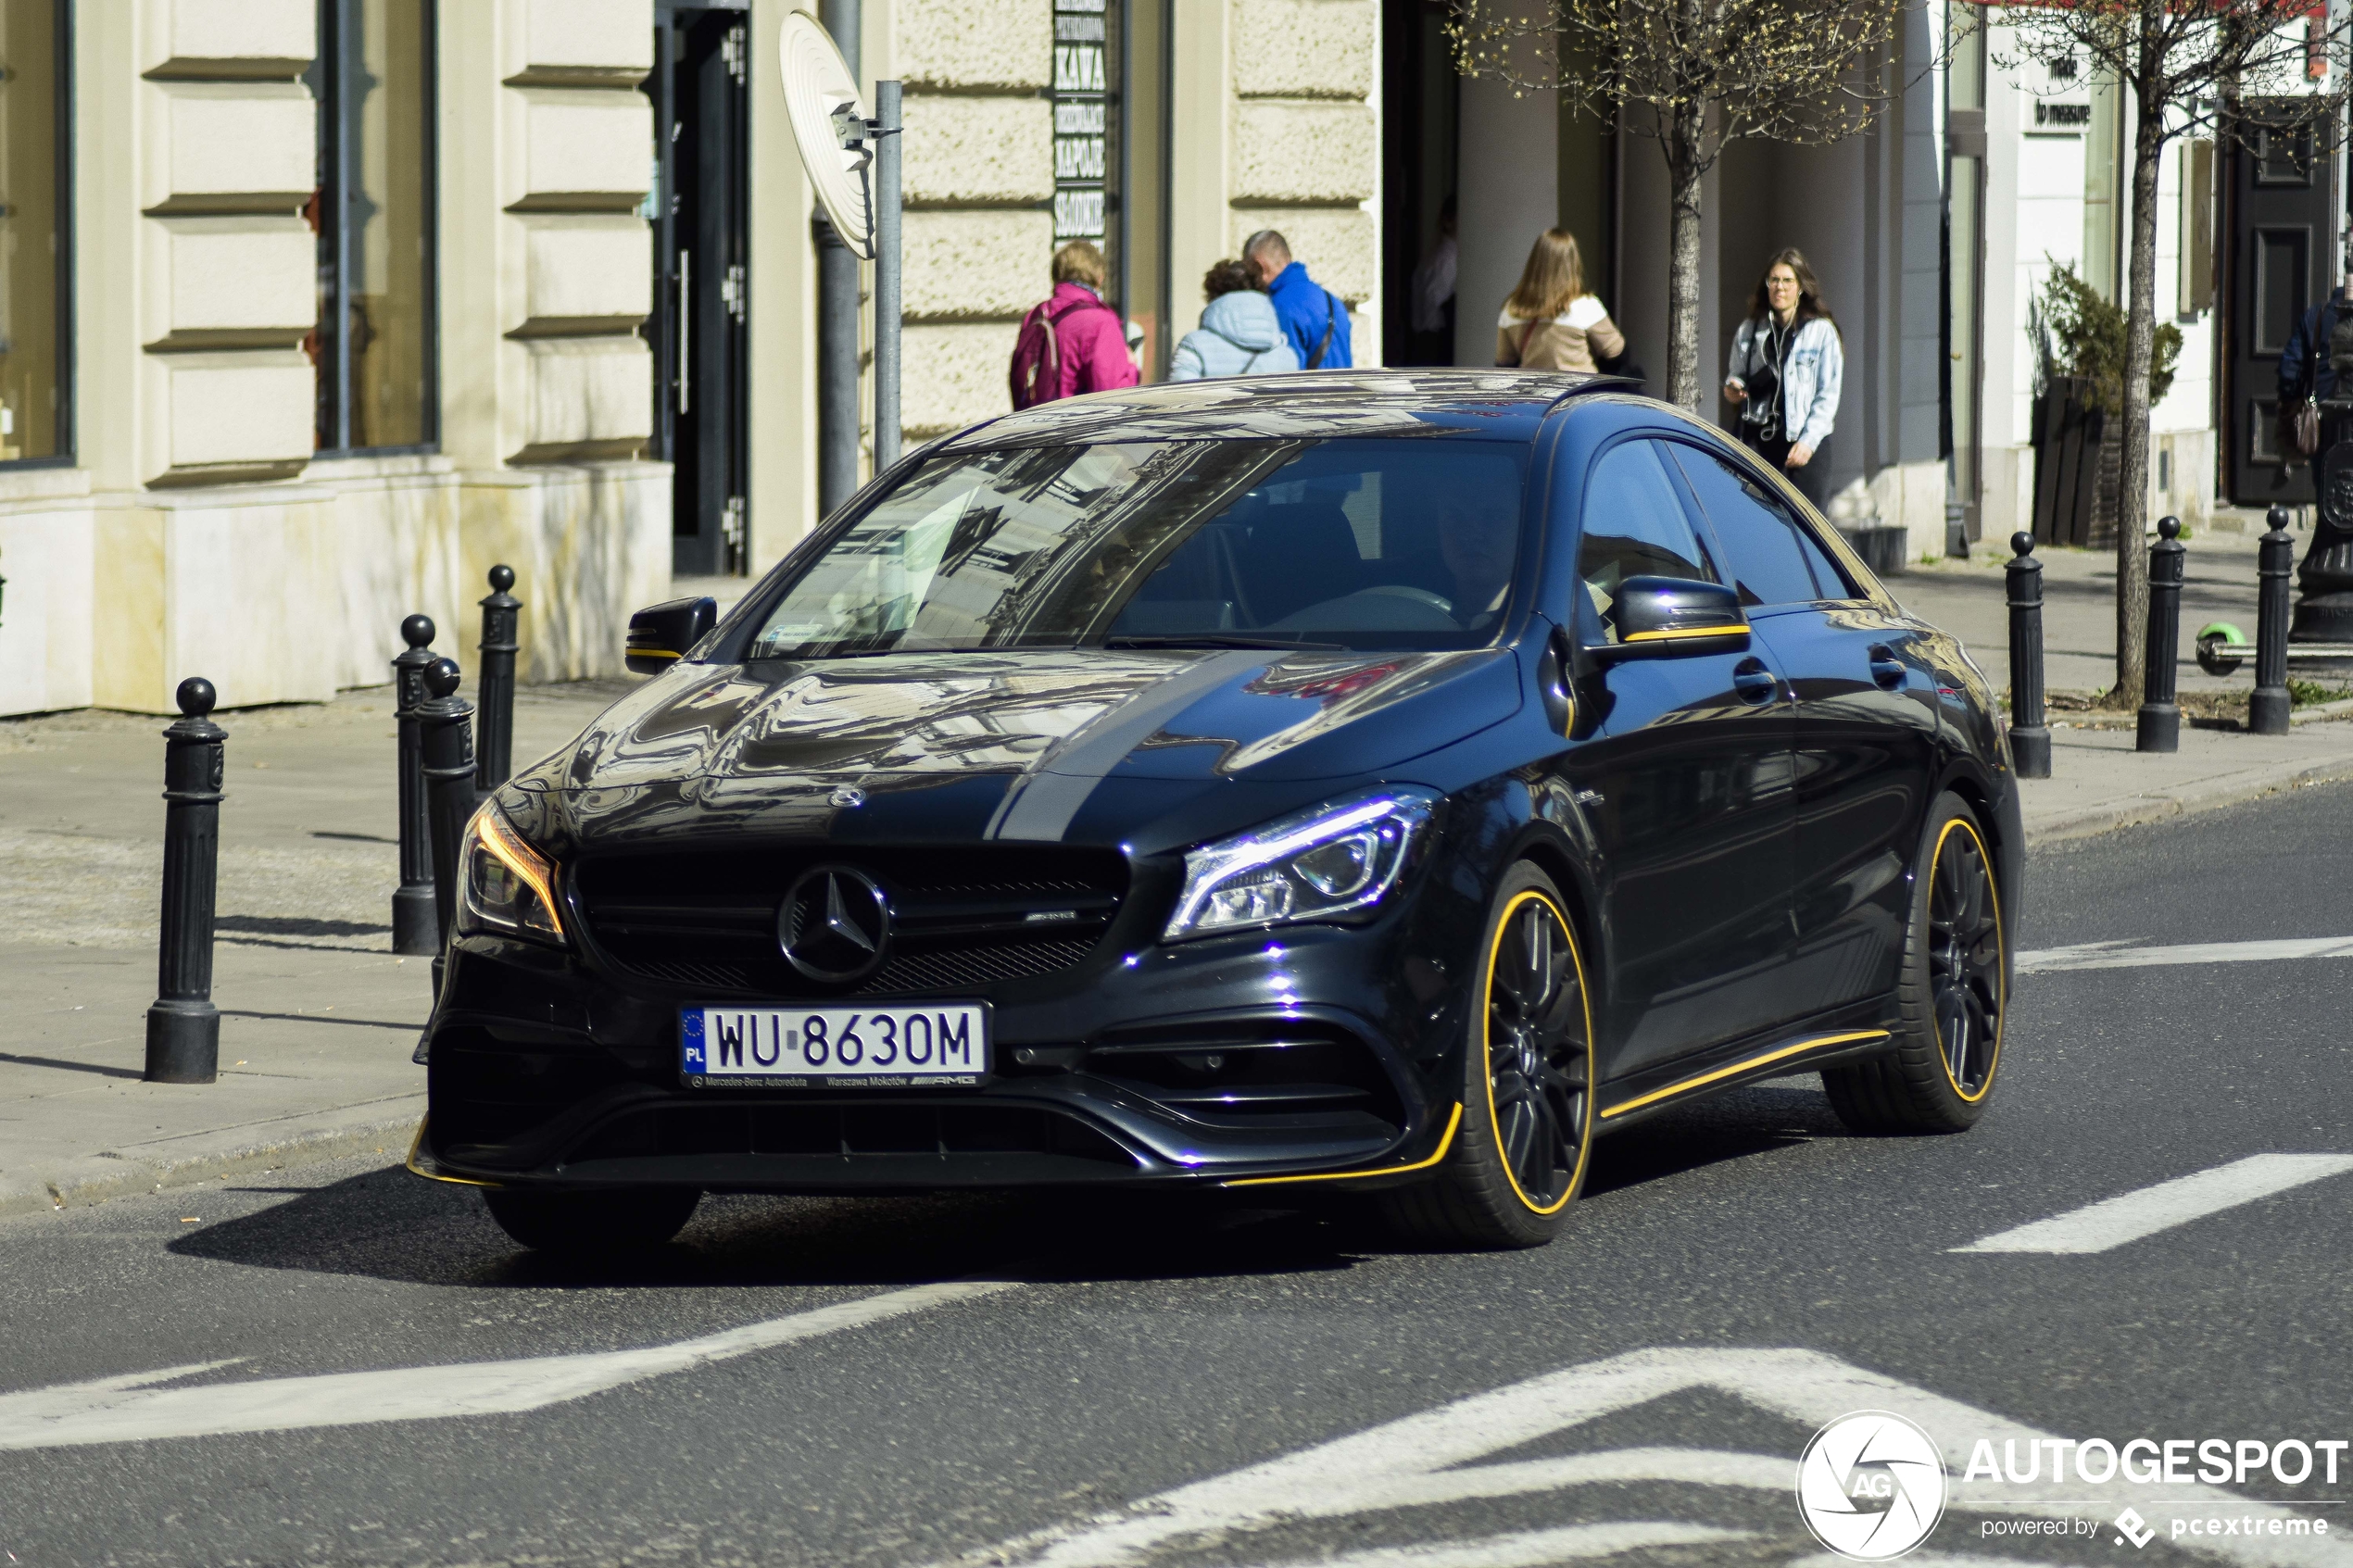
(944, 1044)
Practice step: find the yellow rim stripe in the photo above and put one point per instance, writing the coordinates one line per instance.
(1668, 634)
(1443, 1145)
(653, 652)
(2002, 1014)
(1487, 1063)
(1739, 1067)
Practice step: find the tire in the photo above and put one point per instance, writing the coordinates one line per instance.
(583, 1224)
(1526, 1133)
(1952, 994)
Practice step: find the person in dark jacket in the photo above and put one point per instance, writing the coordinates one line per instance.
(1314, 318)
(2308, 365)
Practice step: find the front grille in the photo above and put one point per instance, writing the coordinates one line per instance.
(963, 917)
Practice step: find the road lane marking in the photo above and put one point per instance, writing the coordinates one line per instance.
(1430, 1458)
(1536, 1548)
(128, 1410)
(2122, 955)
(2129, 1216)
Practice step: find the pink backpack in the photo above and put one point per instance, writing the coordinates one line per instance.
(1037, 353)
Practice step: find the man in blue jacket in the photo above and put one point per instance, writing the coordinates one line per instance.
(1314, 318)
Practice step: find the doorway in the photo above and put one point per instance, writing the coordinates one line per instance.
(701, 211)
(2280, 211)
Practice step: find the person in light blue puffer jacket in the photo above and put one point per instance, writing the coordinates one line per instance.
(1239, 334)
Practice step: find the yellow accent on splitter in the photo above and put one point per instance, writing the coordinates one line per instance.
(1443, 1145)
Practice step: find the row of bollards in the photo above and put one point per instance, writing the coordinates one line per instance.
(420, 915)
(2159, 723)
(442, 781)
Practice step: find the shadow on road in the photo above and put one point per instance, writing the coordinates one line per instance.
(387, 1224)
(1737, 1126)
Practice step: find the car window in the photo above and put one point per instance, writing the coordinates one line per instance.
(1635, 526)
(1833, 583)
(1772, 560)
(1373, 544)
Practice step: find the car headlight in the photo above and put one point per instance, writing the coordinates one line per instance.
(1313, 865)
(504, 884)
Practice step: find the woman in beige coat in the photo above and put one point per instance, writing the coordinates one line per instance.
(1550, 322)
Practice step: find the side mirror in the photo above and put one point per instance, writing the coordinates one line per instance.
(659, 635)
(1673, 617)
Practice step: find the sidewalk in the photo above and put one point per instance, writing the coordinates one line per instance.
(319, 1018)
(1969, 598)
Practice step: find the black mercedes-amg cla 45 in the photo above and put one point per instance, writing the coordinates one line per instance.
(1381, 783)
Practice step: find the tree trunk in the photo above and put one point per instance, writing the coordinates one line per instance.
(1684, 172)
(2140, 336)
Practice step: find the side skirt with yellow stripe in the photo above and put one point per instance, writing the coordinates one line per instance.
(1694, 1077)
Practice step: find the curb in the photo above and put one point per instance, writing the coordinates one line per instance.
(2133, 810)
(381, 1125)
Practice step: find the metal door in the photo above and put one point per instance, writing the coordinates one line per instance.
(701, 213)
(2280, 219)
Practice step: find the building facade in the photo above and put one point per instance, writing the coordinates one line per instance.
(316, 309)
(312, 309)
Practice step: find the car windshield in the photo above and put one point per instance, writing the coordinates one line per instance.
(1397, 544)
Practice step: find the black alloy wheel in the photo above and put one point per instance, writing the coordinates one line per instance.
(1951, 994)
(1526, 1125)
(1965, 959)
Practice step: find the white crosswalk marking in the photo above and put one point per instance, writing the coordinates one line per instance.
(1434, 1457)
(127, 1409)
(2122, 955)
(2131, 1216)
(1539, 1549)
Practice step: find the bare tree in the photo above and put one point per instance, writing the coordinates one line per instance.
(2189, 67)
(1697, 75)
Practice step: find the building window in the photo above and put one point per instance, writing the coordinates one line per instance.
(37, 404)
(373, 210)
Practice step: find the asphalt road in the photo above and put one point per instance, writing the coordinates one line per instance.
(1738, 1275)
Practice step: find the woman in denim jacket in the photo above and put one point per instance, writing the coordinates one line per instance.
(1787, 364)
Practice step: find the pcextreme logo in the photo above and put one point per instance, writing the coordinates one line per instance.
(1870, 1485)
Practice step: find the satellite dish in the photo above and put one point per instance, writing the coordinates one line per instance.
(829, 124)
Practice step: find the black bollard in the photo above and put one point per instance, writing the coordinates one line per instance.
(450, 777)
(2030, 737)
(184, 1027)
(2267, 709)
(494, 752)
(2160, 718)
(413, 928)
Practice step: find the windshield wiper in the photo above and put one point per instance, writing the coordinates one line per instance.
(1220, 640)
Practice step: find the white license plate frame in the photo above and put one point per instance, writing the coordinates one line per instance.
(721, 1047)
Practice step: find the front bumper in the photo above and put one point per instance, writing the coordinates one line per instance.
(1315, 1053)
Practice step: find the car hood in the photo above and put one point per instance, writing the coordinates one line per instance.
(1019, 743)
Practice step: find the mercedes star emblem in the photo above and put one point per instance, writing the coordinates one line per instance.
(833, 924)
(848, 797)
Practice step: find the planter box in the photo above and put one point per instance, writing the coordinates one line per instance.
(2078, 459)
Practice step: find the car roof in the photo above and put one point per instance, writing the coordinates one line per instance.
(1495, 405)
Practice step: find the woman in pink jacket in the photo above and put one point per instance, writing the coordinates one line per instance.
(1073, 342)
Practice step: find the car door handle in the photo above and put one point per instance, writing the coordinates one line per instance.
(1886, 669)
(1754, 682)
